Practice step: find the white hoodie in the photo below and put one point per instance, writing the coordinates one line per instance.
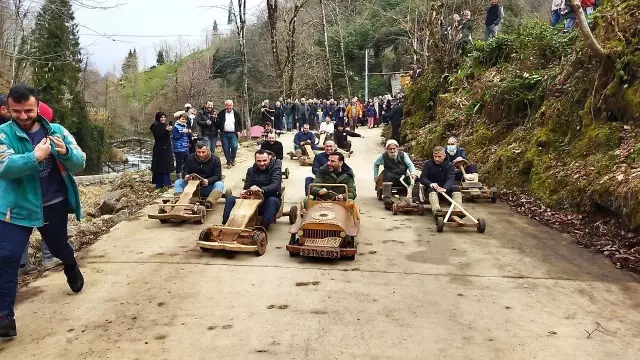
(557, 4)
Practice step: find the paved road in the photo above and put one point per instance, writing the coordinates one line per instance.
(520, 291)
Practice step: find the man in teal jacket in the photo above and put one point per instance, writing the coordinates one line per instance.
(38, 191)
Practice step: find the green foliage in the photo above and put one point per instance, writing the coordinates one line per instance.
(514, 97)
(225, 62)
(160, 58)
(130, 63)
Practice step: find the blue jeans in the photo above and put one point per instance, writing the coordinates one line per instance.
(212, 140)
(179, 186)
(46, 254)
(230, 146)
(569, 24)
(307, 181)
(556, 18)
(298, 147)
(13, 240)
(288, 120)
(268, 210)
(181, 158)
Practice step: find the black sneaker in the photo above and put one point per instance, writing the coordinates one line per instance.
(7, 327)
(74, 277)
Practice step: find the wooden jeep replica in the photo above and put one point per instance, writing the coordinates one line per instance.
(188, 207)
(326, 228)
(242, 232)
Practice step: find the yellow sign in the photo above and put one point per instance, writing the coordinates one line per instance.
(326, 242)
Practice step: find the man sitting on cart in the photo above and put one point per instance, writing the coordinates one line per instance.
(396, 165)
(304, 137)
(438, 176)
(264, 177)
(454, 154)
(273, 145)
(319, 161)
(207, 165)
(341, 136)
(335, 172)
(327, 128)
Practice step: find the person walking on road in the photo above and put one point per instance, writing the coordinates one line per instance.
(230, 123)
(37, 159)
(162, 157)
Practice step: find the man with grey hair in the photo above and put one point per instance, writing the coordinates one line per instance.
(438, 176)
(230, 125)
(456, 153)
(396, 165)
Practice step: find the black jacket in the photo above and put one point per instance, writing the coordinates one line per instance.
(4, 120)
(162, 158)
(340, 137)
(210, 169)
(395, 115)
(275, 148)
(201, 121)
(269, 180)
(286, 108)
(238, 121)
(443, 174)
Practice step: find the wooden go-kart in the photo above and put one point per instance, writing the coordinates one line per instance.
(396, 192)
(408, 204)
(474, 189)
(188, 207)
(242, 232)
(455, 217)
(285, 173)
(326, 228)
(306, 156)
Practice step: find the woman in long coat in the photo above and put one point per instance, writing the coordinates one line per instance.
(162, 159)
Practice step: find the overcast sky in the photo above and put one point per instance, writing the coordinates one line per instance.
(150, 18)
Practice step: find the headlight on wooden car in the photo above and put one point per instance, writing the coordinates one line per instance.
(343, 234)
(300, 232)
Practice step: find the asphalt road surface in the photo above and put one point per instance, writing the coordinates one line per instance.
(519, 291)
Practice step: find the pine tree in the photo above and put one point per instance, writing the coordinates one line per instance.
(215, 27)
(57, 68)
(130, 63)
(230, 19)
(160, 58)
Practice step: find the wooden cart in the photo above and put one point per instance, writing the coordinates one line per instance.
(474, 189)
(188, 207)
(455, 217)
(408, 204)
(395, 192)
(326, 228)
(242, 232)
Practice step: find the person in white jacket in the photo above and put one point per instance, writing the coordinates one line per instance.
(327, 128)
(556, 8)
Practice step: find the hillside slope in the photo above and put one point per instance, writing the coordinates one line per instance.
(574, 146)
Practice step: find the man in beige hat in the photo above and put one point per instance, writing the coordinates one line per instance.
(396, 165)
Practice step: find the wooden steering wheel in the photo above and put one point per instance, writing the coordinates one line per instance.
(330, 195)
(257, 195)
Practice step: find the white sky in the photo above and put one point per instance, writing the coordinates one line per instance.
(149, 17)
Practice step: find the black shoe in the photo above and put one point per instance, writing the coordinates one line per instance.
(74, 277)
(7, 328)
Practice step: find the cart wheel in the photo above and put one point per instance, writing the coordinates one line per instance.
(379, 193)
(293, 214)
(204, 236)
(421, 210)
(494, 197)
(259, 238)
(350, 257)
(286, 173)
(208, 205)
(165, 201)
(227, 193)
(162, 211)
(388, 205)
(481, 225)
(202, 211)
(439, 224)
(163, 221)
(394, 209)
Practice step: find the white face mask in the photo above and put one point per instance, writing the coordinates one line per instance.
(192, 116)
(451, 149)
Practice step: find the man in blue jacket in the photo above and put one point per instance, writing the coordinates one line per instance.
(454, 154)
(36, 162)
(438, 176)
(319, 161)
(304, 137)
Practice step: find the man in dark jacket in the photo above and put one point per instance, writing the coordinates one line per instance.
(319, 161)
(304, 137)
(278, 116)
(341, 137)
(207, 165)
(395, 118)
(207, 121)
(492, 22)
(264, 177)
(230, 125)
(438, 176)
(454, 154)
(273, 145)
(4, 110)
(301, 113)
(287, 109)
(335, 172)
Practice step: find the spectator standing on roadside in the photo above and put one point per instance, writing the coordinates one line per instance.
(556, 9)
(162, 157)
(230, 124)
(495, 16)
(180, 138)
(207, 120)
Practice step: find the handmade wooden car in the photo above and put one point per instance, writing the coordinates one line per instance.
(473, 189)
(455, 217)
(242, 232)
(188, 207)
(396, 192)
(326, 228)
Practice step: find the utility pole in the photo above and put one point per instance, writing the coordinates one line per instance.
(366, 74)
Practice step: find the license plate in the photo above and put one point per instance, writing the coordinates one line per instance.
(332, 242)
(325, 253)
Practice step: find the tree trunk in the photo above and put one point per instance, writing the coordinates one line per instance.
(344, 62)
(585, 32)
(291, 48)
(272, 16)
(326, 47)
(242, 7)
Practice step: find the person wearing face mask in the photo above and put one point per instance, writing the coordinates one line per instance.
(273, 145)
(438, 176)
(37, 159)
(396, 165)
(454, 154)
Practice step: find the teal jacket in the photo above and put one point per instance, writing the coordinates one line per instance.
(20, 194)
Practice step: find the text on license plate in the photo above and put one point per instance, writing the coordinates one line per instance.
(326, 253)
